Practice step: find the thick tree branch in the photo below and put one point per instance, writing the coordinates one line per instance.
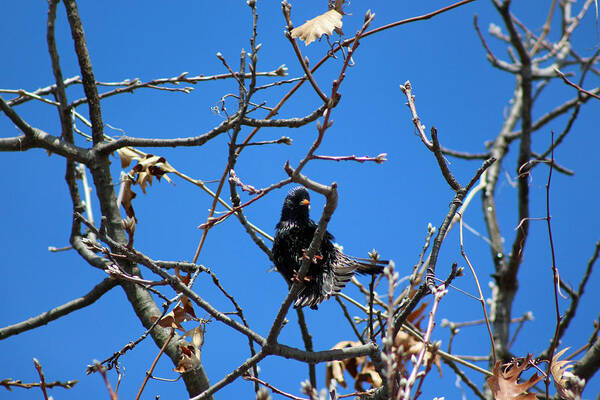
(35, 137)
(323, 356)
(506, 276)
(60, 93)
(174, 282)
(195, 379)
(125, 141)
(236, 373)
(498, 150)
(589, 364)
(87, 72)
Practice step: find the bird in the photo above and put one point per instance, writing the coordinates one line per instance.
(330, 269)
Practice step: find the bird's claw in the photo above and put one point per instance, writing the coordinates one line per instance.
(306, 279)
(314, 260)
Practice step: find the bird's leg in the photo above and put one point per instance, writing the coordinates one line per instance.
(305, 280)
(315, 259)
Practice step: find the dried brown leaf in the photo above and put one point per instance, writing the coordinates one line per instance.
(174, 318)
(181, 314)
(191, 352)
(344, 344)
(368, 375)
(559, 367)
(417, 316)
(148, 166)
(184, 279)
(504, 382)
(128, 195)
(165, 166)
(129, 224)
(409, 344)
(127, 155)
(313, 29)
(143, 179)
(361, 370)
(335, 369)
(188, 306)
(169, 321)
(189, 359)
(197, 335)
(149, 160)
(568, 386)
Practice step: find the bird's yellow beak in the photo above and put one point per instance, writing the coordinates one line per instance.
(305, 202)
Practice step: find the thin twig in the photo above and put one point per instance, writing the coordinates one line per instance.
(149, 372)
(576, 86)
(38, 367)
(439, 292)
(545, 29)
(371, 296)
(273, 388)
(481, 299)
(111, 392)
(8, 383)
(381, 158)
(555, 278)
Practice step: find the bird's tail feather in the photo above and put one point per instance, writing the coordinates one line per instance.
(310, 296)
(368, 266)
(371, 269)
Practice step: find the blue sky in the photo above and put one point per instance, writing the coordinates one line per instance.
(386, 206)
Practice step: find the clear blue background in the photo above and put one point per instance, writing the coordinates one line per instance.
(383, 206)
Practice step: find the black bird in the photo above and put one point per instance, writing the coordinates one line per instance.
(330, 269)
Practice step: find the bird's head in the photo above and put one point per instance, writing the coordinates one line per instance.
(296, 205)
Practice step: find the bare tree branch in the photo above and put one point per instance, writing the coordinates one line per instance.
(589, 364)
(35, 137)
(87, 72)
(125, 141)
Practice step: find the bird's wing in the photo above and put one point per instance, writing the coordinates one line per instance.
(339, 274)
(340, 270)
(336, 272)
